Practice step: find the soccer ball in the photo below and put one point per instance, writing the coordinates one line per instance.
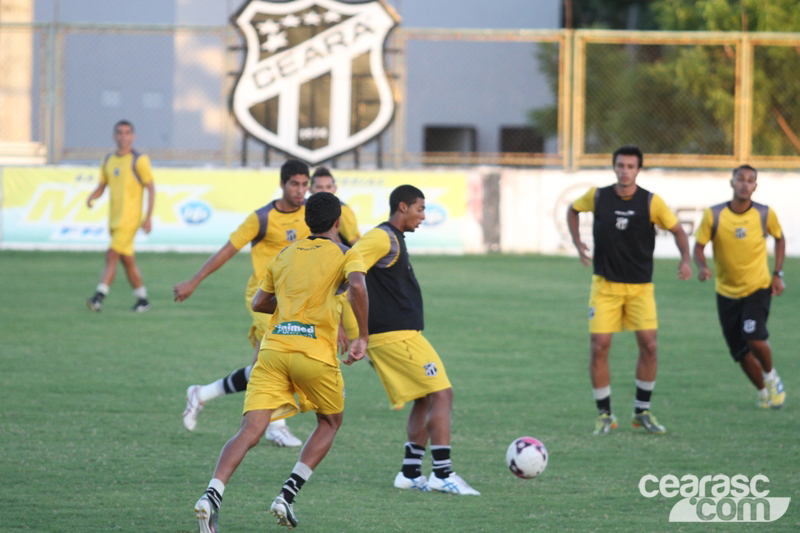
(526, 457)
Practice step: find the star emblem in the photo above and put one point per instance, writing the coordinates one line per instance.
(332, 16)
(290, 21)
(268, 27)
(275, 41)
(312, 18)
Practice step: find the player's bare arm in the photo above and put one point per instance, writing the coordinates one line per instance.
(184, 289)
(778, 284)
(151, 198)
(342, 341)
(357, 296)
(97, 193)
(264, 302)
(574, 230)
(682, 242)
(703, 272)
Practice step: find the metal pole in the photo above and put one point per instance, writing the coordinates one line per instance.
(379, 151)
(51, 85)
(578, 98)
(744, 117)
(399, 129)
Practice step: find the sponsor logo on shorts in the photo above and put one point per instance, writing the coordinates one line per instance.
(741, 233)
(591, 313)
(295, 328)
(430, 369)
(749, 326)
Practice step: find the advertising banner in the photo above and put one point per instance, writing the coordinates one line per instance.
(197, 209)
(533, 205)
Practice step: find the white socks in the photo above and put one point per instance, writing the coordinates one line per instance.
(301, 469)
(102, 288)
(281, 423)
(211, 391)
(140, 293)
(772, 375)
(602, 392)
(217, 485)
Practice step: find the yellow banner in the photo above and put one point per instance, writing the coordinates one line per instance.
(45, 207)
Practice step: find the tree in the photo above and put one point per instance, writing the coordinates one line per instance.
(681, 99)
(776, 86)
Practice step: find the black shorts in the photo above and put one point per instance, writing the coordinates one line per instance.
(744, 319)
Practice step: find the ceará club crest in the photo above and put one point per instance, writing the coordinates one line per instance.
(308, 63)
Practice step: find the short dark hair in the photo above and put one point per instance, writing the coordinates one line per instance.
(322, 172)
(628, 149)
(407, 194)
(292, 167)
(744, 167)
(122, 123)
(322, 210)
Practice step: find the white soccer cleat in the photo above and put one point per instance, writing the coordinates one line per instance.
(193, 407)
(407, 483)
(207, 516)
(281, 435)
(283, 512)
(452, 484)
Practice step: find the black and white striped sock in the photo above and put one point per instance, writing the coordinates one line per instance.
(412, 462)
(237, 380)
(299, 476)
(442, 466)
(214, 492)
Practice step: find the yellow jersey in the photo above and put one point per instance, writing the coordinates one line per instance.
(395, 312)
(624, 232)
(740, 247)
(305, 278)
(348, 226)
(660, 214)
(126, 176)
(269, 230)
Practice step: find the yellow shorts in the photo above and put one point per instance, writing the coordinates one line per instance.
(122, 240)
(409, 367)
(617, 306)
(261, 321)
(278, 376)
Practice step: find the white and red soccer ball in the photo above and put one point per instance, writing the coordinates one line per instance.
(526, 457)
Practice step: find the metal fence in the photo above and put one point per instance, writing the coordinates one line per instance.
(464, 97)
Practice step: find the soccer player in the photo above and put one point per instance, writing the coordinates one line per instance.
(622, 294)
(738, 230)
(322, 181)
(269, 230)
(127, 174)
(298, 354)
(407, 364)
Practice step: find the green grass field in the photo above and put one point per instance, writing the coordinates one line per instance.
(90, 405)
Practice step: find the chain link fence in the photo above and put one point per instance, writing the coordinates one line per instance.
(486, 97)
(776, 100)
(546, 98)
